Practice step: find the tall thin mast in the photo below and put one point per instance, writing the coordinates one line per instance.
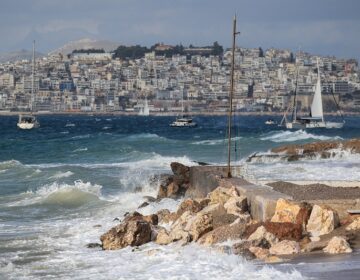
(32, 77)
(231, 96)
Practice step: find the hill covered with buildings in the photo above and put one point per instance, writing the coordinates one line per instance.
(118, 81)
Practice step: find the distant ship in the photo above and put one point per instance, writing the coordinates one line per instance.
(183, 121)
(29, 121)
(316, 117)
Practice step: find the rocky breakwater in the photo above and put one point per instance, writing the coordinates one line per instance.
(320, 149)
(221, 220)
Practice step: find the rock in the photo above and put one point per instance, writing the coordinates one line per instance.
(259, 253)
(199, 225)
(224, 249)
(189, 205)
(131, 233)
(355, 225)
(290, 212)
(242, 219)
(262, 236)
(144, 204)
(162, 237)
(93, 245)
(221, 195)
(203, 202)
(223, 233)
(149, 198)
(337, 245)
(136, 216)
(190, 228)
(273, 259)
(236, 205)
(285, 247)
(219, 215)
(283, 231)
(243, 249)
(322, 220)
(181, 173)
(165, 216)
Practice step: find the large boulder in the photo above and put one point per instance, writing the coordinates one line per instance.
(285, 247)
(322, 220)
(189, 205)
(162, 237)
(223, 233)
(282, 231)
(191, 227)
(175, 186)
(221, 195)
(219, 215)
(355, 225)
(291, 212)
(181, 173)
(236, 205)
(136, 216)
(165, 216)
(260, 253)
(130, 233)
(337, 245)
(263, 237)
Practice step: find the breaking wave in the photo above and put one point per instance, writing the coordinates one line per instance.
(74, 195)
(60, 175)
(215, 141)
(80, 150)
(292, 136)
(70, 125)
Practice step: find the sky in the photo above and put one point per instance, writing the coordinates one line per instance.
(323, 27)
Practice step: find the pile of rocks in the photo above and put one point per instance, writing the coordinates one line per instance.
(223, 215)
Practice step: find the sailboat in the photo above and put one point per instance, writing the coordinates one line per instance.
(144, 111)
(316, 118)
(183, 121)
(29, 121)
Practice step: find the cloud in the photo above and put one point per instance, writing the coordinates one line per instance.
(56, 25)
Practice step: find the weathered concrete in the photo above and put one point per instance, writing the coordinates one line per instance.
(261, 199)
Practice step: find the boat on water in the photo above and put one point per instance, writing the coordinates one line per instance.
(183, 121)
(145, 110)
(316, 117)
(29, 121)
(270, 122)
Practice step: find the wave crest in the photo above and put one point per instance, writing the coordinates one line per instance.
(292, 136)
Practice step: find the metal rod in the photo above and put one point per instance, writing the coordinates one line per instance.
(231, 97)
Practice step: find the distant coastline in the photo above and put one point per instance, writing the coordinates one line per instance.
(163, 114)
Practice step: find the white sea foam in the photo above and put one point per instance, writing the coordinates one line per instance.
(80, 150)
(81, 136)
(291, 136)
(64, 132)
(59, 175)
(106, 127)
(154, 161)
(9, 164)
(72, 195)
(70, 125)
(215, 141)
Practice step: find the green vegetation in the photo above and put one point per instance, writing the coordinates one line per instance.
(89, 51)
(137, 51)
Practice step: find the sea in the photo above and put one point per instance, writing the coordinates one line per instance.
(66, 183)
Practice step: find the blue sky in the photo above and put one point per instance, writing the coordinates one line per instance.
(327, 27)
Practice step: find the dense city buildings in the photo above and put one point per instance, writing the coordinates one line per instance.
(93, 81)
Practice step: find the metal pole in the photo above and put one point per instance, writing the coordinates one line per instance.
(231, 97)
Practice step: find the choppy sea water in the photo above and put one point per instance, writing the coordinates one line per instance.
(62, 185)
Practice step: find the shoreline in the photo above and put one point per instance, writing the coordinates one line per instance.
(159, 114)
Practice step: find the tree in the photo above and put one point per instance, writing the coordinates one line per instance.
(261, 52)
(217, 49)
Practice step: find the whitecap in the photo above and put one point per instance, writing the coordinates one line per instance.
(215, 141)
(291, 136)
(59, 175)
(80, 150)
(81, 136)
(70, 125)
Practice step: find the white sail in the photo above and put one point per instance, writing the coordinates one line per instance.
(316, 106)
